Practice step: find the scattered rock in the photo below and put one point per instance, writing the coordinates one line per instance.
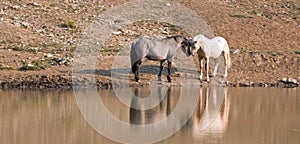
(289, 80)
(35, 4)
(48, 55)
(30, 65)
(25, 24)
(117, 32)
(50, 35)
(234, 51)
(16, 7)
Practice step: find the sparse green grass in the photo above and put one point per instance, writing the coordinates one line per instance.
(73, 48)
(69, 24)
(15, 48)
(240, 16)
(243, 51)
(34, 65)
(32, 50)
(111, 49)
(174, 28)
(91, 18)
(277, 53)
(5, 67)
(136, 35)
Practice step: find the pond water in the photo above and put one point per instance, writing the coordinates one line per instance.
(221, 115)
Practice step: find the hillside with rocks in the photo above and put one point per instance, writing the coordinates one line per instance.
(38, 40)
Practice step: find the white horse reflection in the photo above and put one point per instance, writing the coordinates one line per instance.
(213, 111)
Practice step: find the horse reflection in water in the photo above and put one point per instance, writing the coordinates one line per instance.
(211, 113)
(213, 110)
(161, 111)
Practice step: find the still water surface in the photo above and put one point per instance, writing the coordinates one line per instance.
(245, 116)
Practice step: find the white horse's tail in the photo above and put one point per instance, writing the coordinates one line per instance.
(227, 55)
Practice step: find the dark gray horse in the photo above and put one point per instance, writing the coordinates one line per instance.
(157, 50)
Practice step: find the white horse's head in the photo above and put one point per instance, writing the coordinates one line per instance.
(197, 43)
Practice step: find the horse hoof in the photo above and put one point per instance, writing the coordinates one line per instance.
(159, 79)
(169, 79)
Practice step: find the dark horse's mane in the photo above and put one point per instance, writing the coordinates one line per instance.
(176, 37)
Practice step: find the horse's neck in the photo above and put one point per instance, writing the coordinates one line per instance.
(170, 42)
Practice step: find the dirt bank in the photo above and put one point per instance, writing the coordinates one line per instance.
(38, 40)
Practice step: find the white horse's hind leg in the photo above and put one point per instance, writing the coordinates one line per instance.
(207, 69)
(200, 76)
(216, 68)
(226, 65)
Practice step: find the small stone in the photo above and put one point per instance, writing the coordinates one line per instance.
(50, 35)
(61, 61)
(117, 33)
(25, 24)
(15, 18)
(16, 7)
(48, 55)
(30, 65)
(36, 4)
(168, 4)
(165, 32)
(234, 51)
(290, 80)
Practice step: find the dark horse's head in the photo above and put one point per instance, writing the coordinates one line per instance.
(184, 43)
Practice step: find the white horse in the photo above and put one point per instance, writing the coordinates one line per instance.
(211, 48)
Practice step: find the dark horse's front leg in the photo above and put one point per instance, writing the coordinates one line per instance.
(135, 69)
(160, 70)
(169, 71)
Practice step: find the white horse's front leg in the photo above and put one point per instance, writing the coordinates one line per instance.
(207, 69)
(225, 74)
(201, 68)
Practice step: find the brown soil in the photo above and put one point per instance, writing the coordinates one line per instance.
(41, 37)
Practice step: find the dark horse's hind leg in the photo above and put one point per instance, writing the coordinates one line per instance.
(169, 71)
(160, 70)
(135, 69)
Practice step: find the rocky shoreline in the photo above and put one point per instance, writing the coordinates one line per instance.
(66, 82)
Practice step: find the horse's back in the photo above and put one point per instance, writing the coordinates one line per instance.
(221, 41)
